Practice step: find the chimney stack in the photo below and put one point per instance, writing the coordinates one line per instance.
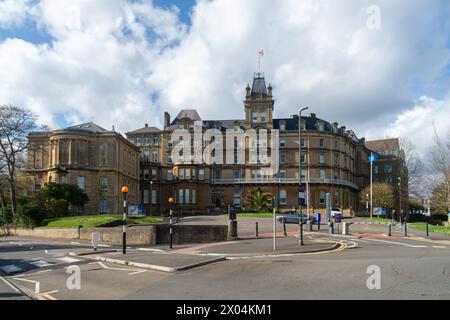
(313, 115)
(166, 120)
(146, 125)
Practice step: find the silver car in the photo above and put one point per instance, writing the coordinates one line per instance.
(293, 217)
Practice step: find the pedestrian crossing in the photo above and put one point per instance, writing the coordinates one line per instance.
(13, 267)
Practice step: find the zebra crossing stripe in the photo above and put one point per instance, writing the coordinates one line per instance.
(11, 268)
(41, 263)
(68, 260)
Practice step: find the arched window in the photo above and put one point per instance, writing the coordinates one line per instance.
(283, 197)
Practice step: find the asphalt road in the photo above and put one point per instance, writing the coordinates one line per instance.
(410, 269)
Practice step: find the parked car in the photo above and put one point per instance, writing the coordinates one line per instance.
(335, 211)
(294, 217)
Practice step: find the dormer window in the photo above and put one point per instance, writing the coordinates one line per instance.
(180, 126)
(282, 127)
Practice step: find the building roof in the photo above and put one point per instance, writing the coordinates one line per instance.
(191, 114)
(86, 127)
(145, 129)
(259, 88)
(385, 147)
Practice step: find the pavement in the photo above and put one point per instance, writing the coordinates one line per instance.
(411, 268)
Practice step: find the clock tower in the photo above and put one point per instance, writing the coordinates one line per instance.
(258, 104)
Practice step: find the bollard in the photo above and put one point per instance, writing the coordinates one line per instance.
(427, 230)
(318, 225)
(284, 229)
(257, 229)
(406, 229)
(390, 230)
(300, 225)
(330, 227)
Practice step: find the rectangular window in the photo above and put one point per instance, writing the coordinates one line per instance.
(103, 206)
(376, 170)
(180, 196)
(137, 141)
(263, 117)
(103, 183)
(193, 173)
(37, 184)
(302, 142)
(181, 173)
(194, 196)
(237, 174)
(146, 174)
(282, 174)
(188, 173)
(303, 173)
(154, 200)
(146, 141)
(145, 197)
(169, 159)
(283, 158)
(302, 158)
(283, 197)
(254, 117)
(282, 143)
(154, 174)
(155, 140)
(388, 168)
(155, 156)
(322, 197)
(145, 156)
(169, 175)
(201, 174)
(282, 127)
(322, 174)
(322, 143)
(321, 159)
(63, 179)
(186, 195)
(81, 182)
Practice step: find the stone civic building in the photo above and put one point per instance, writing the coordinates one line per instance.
(97, 160)
(333, 160)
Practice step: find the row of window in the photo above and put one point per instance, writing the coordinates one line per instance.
(283, 198)
(187, 196)
(387, 169)
(146, 141)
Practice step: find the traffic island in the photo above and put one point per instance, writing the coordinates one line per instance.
(263, 247)
(163, 261)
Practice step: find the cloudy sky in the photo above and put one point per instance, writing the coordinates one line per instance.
(124, 63)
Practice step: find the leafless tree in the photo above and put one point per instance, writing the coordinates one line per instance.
(15, 125)
(440, 161)
(414, 165)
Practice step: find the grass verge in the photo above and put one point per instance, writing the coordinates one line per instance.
(420, 226)
(95, 221)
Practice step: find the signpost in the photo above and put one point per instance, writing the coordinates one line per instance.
(124, 227)
(274, 226)
(372, 158)
(171, 202)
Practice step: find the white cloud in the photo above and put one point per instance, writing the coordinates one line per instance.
(13, 12)
(108, 58)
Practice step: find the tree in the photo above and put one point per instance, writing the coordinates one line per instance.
(383, 195)
(414, 165)
(259, 201)
(59, 196)
(440, 162)
(15, 125)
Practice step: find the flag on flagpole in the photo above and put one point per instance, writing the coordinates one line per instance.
(261, 53)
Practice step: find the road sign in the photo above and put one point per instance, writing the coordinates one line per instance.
(301, 195)
(372, 157)
(379, 211)
(95, 239)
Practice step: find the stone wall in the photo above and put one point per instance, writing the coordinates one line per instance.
(153, 234)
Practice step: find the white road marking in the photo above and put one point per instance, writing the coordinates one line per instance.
(37, 287)
(439, 247)
(11, 268)
(54, 253)
(68, 259)
(41, 263)
(104, 246)
(74, 242)
(398, 243)
(135, 271)
(10, 285)
(150, 249)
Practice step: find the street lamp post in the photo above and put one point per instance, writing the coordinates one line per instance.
(151, 197)
(171, 202)
(371, 185)
(124, 223)
(300, 165)
(400, 194)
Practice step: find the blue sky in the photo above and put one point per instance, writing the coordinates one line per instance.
(97, 60)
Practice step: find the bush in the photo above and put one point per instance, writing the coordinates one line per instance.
(29, 216)
(58, 208)
(5, 215)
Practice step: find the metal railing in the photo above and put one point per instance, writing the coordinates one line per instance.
(268, 180)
